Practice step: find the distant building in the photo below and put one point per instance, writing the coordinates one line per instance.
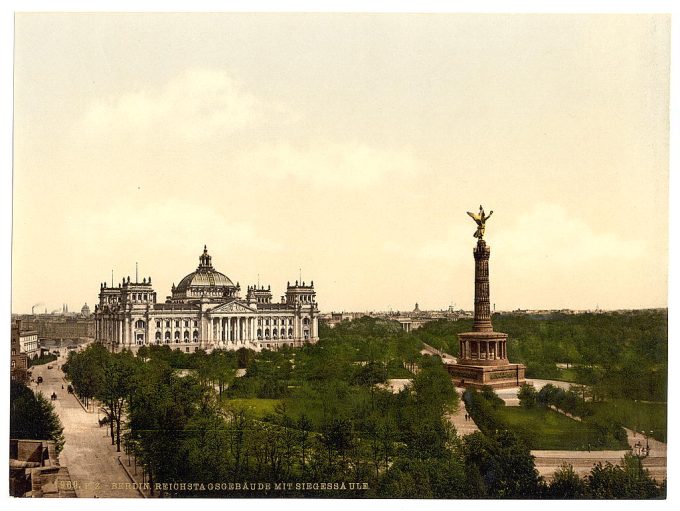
(85, 311)
(205, 311)
(59, 327)
(18, 357)
(27, 339)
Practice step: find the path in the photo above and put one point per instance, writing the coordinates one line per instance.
(91, 459)
(547, 462)
(446, 358)
(463, 427)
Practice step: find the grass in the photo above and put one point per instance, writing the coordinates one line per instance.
(569, 375)
(636, 415)
(257, 406)
(546, 429)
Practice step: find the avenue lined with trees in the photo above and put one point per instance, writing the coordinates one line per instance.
(319, 414)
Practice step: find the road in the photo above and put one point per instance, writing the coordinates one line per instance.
(91, 459)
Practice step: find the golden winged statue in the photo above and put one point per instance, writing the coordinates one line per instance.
(480, 218)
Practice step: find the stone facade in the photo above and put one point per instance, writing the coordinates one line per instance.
(35, 471)
(205, 311)
(483, 358)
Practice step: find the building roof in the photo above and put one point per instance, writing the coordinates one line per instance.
(204, 276)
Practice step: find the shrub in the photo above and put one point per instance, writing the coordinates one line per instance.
(527, 396)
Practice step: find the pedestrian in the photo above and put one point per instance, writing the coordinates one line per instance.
(62, 387)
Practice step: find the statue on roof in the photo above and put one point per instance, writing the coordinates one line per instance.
(480, 218)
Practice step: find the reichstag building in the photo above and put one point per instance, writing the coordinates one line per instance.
(205, 311)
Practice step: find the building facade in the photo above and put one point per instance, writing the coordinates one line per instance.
(18, 357)
(205, 311)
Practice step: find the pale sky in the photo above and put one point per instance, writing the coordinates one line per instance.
(350, 146)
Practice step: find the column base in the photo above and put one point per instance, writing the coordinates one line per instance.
(478, 376)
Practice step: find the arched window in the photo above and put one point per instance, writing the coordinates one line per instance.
(158, 337)
(305, 321)
(158, 324)
(140, 324)
(186, 336)
(259, 333)
(266, 333)
(195, 335)
(167, 337)
(176, 335)
(290, 333)
(275, 333)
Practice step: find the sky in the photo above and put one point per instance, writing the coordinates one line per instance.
(347, 148)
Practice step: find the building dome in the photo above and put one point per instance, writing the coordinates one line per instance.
(205, 281)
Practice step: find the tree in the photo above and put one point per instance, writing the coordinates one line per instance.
(33, 417)
(116, 390)
(628, 481)
(566, 484)
(527, 396)
(304, 427)
(504, 465)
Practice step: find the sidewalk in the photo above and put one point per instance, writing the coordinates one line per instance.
(463, 427)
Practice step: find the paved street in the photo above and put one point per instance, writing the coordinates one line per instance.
(88, 454)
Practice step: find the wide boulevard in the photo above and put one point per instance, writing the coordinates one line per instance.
(91, 459)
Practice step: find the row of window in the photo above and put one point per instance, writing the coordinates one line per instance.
(177, 336)
(141, 324)
(140, 296)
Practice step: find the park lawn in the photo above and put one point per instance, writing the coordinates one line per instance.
(545, 429)
(636, 415)
(569, 375)
(259, 407)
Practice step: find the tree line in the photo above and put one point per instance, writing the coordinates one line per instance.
(618, 354)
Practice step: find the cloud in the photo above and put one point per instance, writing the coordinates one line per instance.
(549, 233)
(167, 223)
(197, 104)
(546, 235)
(324, 163)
